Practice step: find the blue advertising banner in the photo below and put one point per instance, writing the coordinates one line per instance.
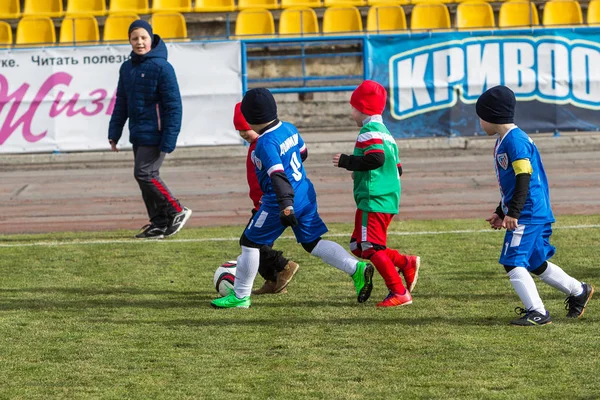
(434, 79)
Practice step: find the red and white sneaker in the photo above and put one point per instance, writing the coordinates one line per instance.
(411, 271)
(396, 299)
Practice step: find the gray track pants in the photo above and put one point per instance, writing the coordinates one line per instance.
(160, 203)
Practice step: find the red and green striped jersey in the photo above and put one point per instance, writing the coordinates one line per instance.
(377, 190)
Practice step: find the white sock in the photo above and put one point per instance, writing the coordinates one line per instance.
(336, 256)
(558, 279)
(247, 268)
(525, 287)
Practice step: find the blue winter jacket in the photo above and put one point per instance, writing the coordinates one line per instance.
(148, 95)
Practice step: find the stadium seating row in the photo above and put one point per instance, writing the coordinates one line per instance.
(301, 21)
(11, 9)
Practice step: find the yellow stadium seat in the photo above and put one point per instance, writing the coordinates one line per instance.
(116, 27)
(518, 13)
(474, 14)
(169, 25)
(430, 16)
(301, 3)
(357, 3)
(129, 6)
(254, 22)
(10, 9)
(6, 37)
(298, 21)
(214, 6)
(386, 18)
(36, 31)
(264, 4)
(433, 1)
(43, 8)
(172, 6)
(79, 29)
(387, 2)
(593, 13)
(86, 7)
(562, 12)
(342, 19)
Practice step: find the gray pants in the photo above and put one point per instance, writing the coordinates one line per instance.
(160, 203)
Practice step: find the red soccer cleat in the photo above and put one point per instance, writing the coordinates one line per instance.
(411, 271)
(396, 299)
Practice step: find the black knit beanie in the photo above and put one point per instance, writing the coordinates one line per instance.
(140, 23)
(259, 107)
(497, 105)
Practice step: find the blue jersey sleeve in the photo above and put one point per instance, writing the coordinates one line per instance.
(268, 154)
(519, 147)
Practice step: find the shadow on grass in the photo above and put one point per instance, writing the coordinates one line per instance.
(291, 321)
(97, 292)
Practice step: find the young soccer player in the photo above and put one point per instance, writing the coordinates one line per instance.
(376, 170)
(274, 267)
(525, 212)
(289, 199)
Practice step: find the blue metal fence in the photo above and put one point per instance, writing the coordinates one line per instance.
(305, 49)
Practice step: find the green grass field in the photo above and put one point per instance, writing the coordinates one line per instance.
(97, 315)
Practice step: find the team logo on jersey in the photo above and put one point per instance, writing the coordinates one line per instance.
(503, 160)
(255, 160)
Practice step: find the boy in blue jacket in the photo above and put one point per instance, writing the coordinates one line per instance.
(148, 95)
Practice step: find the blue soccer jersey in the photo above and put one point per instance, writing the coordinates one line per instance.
(278, 150)
(514, 146)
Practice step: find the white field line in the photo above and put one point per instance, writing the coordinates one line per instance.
(229, 239)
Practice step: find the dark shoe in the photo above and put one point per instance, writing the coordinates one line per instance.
(575, 305)
(151, 232)
(531, 318)
(285, 276)
(178, 221)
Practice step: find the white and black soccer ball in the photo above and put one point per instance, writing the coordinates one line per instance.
(225, 277)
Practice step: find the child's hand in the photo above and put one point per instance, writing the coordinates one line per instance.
(495, 221)
(113, 146)
(336, 160)
(510, 223)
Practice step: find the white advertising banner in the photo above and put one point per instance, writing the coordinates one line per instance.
(61, 98)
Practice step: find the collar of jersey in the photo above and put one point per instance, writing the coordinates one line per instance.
(373, 118)
(271, 128)
(502, 138)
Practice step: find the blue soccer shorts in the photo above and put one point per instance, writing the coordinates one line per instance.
(527, 246)
(265, 227)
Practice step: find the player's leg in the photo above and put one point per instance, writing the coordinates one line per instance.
(408, 266)
(370, 231)
(277, 271)
(308, 232)
(264, 228)
(518, 245)
(579, 293)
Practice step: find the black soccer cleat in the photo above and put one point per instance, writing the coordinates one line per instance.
(151, 232)
(178, 221)
(575, 305)
(531, 318)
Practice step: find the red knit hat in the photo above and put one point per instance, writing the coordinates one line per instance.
(369, 98)
(238, 119)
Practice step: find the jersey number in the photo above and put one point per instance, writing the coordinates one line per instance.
(296, 166)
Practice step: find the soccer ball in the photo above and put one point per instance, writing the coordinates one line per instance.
(225, 277)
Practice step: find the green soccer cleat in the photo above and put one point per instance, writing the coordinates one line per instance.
(231, 301)
(363, 281)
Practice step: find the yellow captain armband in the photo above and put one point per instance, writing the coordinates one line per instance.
(522, 166)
